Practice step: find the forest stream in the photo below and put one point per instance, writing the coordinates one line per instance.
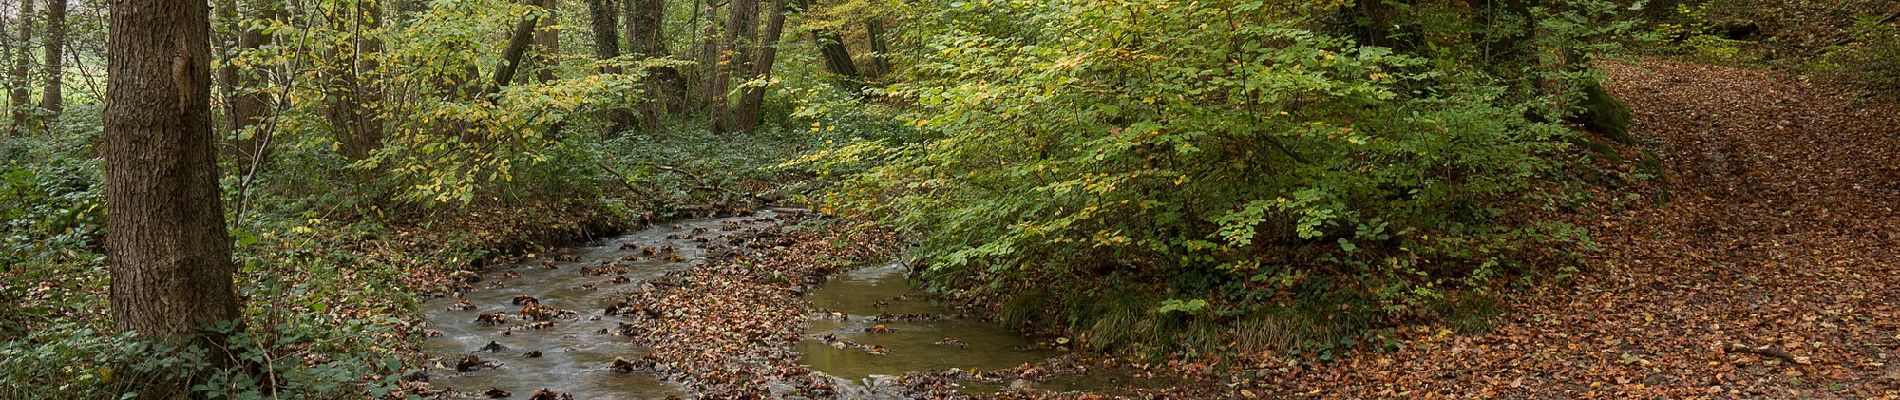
(574, 354)
(867, 325)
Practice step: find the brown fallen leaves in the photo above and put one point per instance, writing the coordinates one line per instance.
(725, 328)
(1774, 272)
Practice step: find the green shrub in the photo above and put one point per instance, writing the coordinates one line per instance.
(1214, 163)
(1870, 59)
(74, 361)
(1692, 33)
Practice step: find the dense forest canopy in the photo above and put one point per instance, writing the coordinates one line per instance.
(255, 198)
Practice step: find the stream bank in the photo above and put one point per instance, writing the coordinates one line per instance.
(760, 306)
(819, 312)
(547, 323)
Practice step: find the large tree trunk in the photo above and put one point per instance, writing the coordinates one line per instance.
(832, 52)
(547, 41)
(6, 53)
(837, 59)
(735, 57)
(166, 245)
(707, 61)
(879, 49)
(20, 97)
(746, 116)
(357, 97)
(50, 98)
(644, 41)
(250, 105)
(646, 38)
(607, 46)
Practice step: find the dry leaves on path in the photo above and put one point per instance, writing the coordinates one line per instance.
(1774, 272)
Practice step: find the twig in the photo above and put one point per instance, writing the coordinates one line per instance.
(1766, 350)
(269, 128)
(624, 181)
(700, 183)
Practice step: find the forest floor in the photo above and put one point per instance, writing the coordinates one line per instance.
(1773, 272)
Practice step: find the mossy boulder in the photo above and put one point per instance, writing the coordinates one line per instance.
(1605, 115)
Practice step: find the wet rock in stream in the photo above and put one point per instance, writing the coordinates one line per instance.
(563, 354)
(749, 312)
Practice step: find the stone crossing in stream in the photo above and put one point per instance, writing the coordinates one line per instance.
(542, 323)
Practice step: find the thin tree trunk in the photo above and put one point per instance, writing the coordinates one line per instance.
(707, 61)
(752, 98)
(22, 59)
(226, 80)
(6, 53)
(50, 97)
(511, 56)
(547, 45)
(167, 249)
(406, 11)
(837, 59)
(607, 46)
(735, 58)
(368, 85)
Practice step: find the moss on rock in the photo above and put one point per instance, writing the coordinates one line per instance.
(1605, 115)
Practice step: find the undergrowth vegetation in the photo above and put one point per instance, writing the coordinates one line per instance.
(1164, 178)
(1855, 42)
(329, 274)
(1174, 176)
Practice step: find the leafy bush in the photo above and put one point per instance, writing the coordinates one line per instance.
(1871, 59)
(1216, 160)
(69, 360)
(1691, 33)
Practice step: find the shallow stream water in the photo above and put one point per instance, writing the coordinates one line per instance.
(881, 309)
(870, 323)
(577, 351)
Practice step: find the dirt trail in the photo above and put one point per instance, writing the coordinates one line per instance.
(1783, 235)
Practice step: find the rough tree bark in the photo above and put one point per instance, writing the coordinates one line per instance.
(745, 117)
(832, 52)
(607, 46)
(50, 96)
(247, 105)
(166, 245)
(547, 40)
(356, 96)
(646, 38)
(511, 56)
(874, 28)
(6, 53)
(836, 56)
(735, 56)
(22, 58)
(251, 106)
